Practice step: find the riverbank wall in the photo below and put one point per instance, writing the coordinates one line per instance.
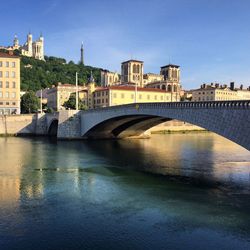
(26, 124)
(175, 126)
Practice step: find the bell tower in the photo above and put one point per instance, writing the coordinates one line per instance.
(15, 42)
(29, 44)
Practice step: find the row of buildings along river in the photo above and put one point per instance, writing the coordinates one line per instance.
(130, 86)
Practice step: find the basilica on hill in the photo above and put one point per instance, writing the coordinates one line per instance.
(30, 48)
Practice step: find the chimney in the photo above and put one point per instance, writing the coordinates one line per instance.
(232, 85)
(241, 86)
(11, 52)
(216, 85)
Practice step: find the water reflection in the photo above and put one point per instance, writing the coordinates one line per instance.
(101, 190)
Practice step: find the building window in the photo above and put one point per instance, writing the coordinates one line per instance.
(155, 97)
(13, 103)
(114, 95)
(7, 103)
(1, 94)
(132, 96)
(1, 73)
(13, 95)
(148, 97)
(1, 103)
(1, 84)
(13, 84)
(1, 64)
(7, 64)
(7, 85)
(140, 96)
(161, 98)
(7, 74)
(122, 95)
(7, 94)
(13, 74)
(13, 64)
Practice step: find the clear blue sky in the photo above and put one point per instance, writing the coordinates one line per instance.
(209, 39)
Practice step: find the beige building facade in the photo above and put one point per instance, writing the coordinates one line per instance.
(9, 84)
(119, 95)
(151, 77)
(58, 95)
(216, 92)
(109, 78)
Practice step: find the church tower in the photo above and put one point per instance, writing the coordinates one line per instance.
(29, 44)
(82, 55)
(16, 42)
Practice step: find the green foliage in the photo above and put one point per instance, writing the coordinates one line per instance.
(36, 74)
(29, 103)
(49, 110)
(71, 103)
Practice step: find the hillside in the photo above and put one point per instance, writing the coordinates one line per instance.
(36, 74)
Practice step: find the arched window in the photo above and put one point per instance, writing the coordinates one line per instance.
(169, 88)
(163, 87)
(138, 68)
(175, 88)
(134, 69)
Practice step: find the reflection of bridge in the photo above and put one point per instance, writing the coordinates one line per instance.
(230, 119)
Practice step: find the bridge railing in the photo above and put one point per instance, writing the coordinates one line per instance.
(237, 104)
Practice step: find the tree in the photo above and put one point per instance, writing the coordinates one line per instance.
(37, 74)
(29, 103)
(71, 103)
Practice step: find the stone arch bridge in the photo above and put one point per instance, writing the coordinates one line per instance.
(230, 119)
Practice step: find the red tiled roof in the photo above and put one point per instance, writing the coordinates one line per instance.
(129, 88)
(3, 54)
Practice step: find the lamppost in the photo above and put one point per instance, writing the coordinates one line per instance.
(76, 91)
(136, 90)
(41, 101)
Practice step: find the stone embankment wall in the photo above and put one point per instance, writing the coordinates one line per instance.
(17, 124)
(33, 124)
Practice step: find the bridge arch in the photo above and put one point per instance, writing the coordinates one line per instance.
(230, 119)
(53, 128)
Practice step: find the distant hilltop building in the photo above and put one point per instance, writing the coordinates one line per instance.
(31, 48)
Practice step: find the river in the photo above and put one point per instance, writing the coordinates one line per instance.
(174, 191)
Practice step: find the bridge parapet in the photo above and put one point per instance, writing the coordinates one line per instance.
(242, 104)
